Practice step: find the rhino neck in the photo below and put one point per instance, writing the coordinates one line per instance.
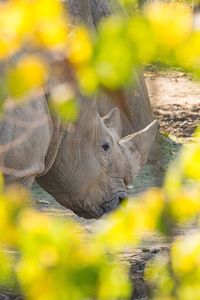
(66, 163)
(57, 131)
(56, 178)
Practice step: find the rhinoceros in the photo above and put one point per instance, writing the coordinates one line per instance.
(86, 166)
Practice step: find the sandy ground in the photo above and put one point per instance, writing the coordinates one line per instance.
(176, 102)
(172, 88)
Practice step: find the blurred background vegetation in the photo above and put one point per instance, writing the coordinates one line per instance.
(48, 258)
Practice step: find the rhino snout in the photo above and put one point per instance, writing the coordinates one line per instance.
(122, 196)
(114, 203)
(107, 206)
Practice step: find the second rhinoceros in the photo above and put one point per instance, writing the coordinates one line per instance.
(86, 165)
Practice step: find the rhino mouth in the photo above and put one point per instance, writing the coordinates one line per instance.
(114, 202)
(106, 207)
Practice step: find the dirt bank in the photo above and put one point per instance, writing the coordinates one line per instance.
(176, 102)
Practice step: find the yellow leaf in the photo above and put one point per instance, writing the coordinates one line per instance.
(13, 26)
(79, 49)
(51, 33)
(29, 73)
(185, 205)
(63, 102)
(191, 162)
(185, 255)
(47, 9)
(188, 54)
(170, 22)
(87, 79)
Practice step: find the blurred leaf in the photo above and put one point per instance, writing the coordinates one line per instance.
(63, 102)
(143, 39)
(173, 179)
(113, 57)
(13, 26)
(188, 54)
(29, 73)
(129, 224)
(191, 160)
(88, 79)
(52, 33)
(158, 275)
(171, 23)
(185, 205)
(79, 50)
(6, 268)
(49, 23)
(58, 263)
(12, 204)
(185, 264)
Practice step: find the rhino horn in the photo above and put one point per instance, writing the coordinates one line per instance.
(138, 145)
(113, 122)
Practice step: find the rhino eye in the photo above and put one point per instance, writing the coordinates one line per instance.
(105, 146)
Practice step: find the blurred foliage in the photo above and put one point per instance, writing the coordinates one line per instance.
(57, 259)
(29, 73)
(63, 102)
(54, 259)
(160, 32)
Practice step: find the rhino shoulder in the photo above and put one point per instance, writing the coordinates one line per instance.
(26, 132)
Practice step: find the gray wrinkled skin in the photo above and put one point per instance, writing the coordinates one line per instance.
(71, 161)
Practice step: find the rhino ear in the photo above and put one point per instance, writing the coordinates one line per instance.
(113, 122)
(138, 145)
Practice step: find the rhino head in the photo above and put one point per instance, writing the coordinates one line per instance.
(94, 165)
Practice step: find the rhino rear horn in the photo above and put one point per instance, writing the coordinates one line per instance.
(140, 143)
(113, 122)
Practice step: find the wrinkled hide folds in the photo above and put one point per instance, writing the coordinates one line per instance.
(92, 180)
(86, 166)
